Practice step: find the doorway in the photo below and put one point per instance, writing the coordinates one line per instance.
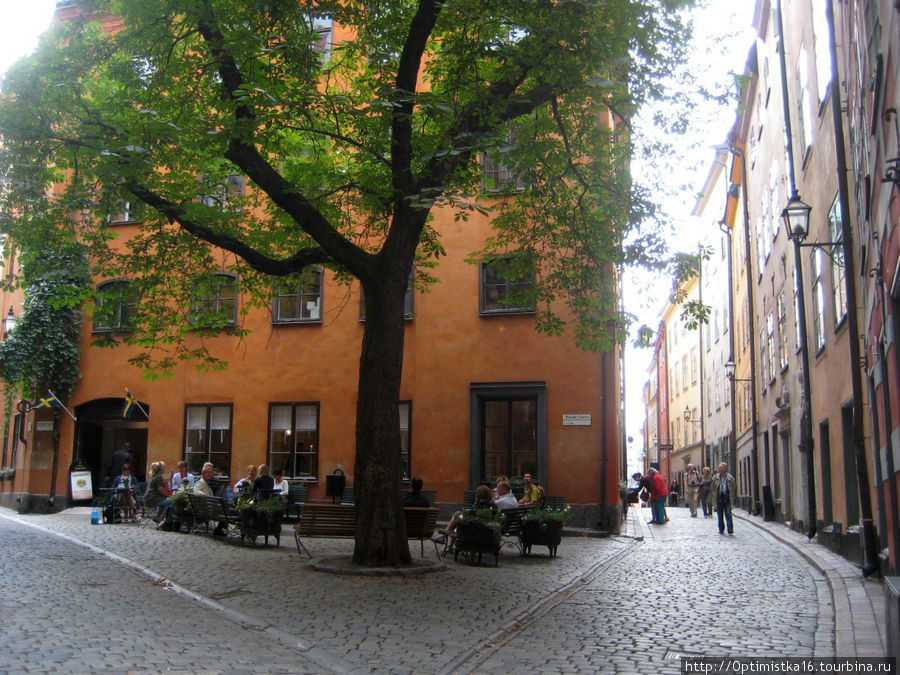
(101, 430)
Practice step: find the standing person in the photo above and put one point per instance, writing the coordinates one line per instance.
(181, 479)
(645, 486)
(723, 487)
(673, 493)
(705, 491)
(691, 488)
(658, 494)
(120, 457)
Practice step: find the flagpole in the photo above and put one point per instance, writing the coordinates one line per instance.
(61, 405)
(130, 396)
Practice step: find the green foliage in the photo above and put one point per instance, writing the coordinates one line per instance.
(348, 155)
(548, 515)
(43, 351)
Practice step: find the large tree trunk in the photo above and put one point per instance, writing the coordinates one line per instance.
(380, 524)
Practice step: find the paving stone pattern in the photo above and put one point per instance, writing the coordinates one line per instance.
(603, 605)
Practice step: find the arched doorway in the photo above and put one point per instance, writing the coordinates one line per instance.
(101, 430)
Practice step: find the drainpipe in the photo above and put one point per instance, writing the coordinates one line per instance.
(862, 468)
(806, 441)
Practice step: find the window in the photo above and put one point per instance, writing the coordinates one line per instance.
(510, 430)
(405, 453)
(507, 286)
(115, 307)
(324, 27)
(294, 439)
(821, 45)
(300, 301)
(804, 112)
(207, 437)
(770, 346)
(216, 303)
(782, 334)
(221, 195)
(838, 289)
(126, 211)
(818, 287)
(694, 368)
(685, 378)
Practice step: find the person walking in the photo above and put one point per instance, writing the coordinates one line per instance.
(723, 487)
(658, 495)
(691, 488)
(705, 491)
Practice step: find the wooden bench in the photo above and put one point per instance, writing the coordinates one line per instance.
(211, 509)
(339, 520)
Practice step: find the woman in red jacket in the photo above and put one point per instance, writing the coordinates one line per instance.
(658, 494)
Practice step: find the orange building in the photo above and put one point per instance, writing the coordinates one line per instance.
(483, 394)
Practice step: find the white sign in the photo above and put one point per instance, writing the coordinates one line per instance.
(45, 425)
(81, 485)
(576, 420)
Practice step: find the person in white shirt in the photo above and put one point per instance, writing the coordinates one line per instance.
(505, 498)
(281, 485)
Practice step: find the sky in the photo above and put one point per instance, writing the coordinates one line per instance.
(23, 21)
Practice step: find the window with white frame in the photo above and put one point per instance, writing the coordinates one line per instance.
(301, 300)
(782, 334)
(822, 47)
(804, 104)
(694, 368)
(126, 211)
(818, 287)
(207, 437)
(770, 345)
(294, 439)
(836, 236)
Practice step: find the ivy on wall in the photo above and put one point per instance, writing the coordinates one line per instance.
(43, 351)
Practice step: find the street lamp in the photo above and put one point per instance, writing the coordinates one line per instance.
(9, 322)
(796, 222)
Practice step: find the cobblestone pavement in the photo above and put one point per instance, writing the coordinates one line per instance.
(608, 605)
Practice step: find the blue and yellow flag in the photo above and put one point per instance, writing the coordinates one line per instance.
(48, 400)
(130, 403)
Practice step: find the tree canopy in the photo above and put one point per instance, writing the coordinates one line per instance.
(349, 139)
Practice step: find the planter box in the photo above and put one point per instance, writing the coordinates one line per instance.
(474, 538)
(255, 523)
(547, 534)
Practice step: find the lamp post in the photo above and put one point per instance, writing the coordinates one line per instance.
(796, 222)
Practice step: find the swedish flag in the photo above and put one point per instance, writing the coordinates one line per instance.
(48, 400)
(130, 403)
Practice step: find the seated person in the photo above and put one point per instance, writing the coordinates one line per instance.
(182, 478)
(281, 485)
(204, 487)
(263, 484)
(239, 487)
(500, 479)
(505, 498)
(124, 485)
(415, 497)
(534, 493)
(157, 496)
(482, 501)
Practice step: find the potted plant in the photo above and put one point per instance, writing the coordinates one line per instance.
(479, 532)
(181, 509)
(261, 519)
(543, 527)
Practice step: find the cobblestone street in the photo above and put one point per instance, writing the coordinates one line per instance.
(129, 597)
